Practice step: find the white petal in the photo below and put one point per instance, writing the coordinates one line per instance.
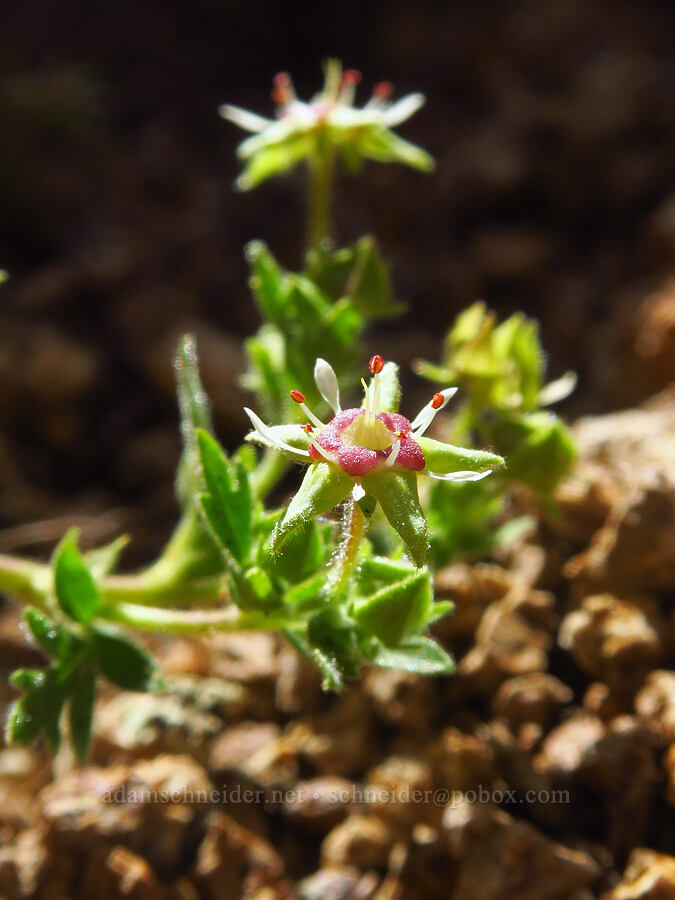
(559, 389)
(243, 118)
(461, 476)
(426, 415)
(327, 383)
(269, 435)
(358, 493)
(401, 110)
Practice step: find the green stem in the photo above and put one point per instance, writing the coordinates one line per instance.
(320, 191)
(348, 552)
(175, 621)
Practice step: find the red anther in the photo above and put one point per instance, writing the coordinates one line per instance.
(307, 427)
(437, 401)
(281, 92)
(375, 364)
(351, 76)
(297, 396)
(400, 434)
(383, 90)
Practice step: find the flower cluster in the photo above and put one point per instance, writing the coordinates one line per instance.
(370, 450)
(301, 129)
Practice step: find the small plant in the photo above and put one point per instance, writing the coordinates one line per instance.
(307, 570)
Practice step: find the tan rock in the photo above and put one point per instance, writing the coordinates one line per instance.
(648, 876)
(360, 841)
(320, 803)
(530, 698)
(499, 856)
(656, 702)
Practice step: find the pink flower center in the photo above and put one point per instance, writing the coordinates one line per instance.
(360, 444)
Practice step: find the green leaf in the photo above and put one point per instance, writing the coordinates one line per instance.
(444, 458)
(331, 674)
(268, 282)
(323, 487)
(369, 285)
(227, 505)
(82, 696)
(192, 401)
(76, 590)
(302, 554)
(39, 710)
(124, 663)
(103, 560)
(397, 495)
(397, 610)
(49, 636)
(418, 654)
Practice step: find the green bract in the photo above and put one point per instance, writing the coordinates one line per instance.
(305, 131)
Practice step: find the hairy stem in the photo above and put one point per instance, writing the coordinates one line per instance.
(348, 551)
(175, 621)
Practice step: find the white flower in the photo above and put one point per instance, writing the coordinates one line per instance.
(276, 145)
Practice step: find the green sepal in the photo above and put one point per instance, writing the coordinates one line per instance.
(227, 503)
(323, 487)
(444, 458)
(81, 711)
(123, 662)
(75, 588)
(273, 159)
(418, 654)
(382, 145)
(397, 610)
(397, 494)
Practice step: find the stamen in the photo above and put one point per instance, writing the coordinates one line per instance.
(299, 398)
(367, 398)
(375, 365)
(426, 415)
(351, 76)
(383, 90)
(266, 432)
(307, 428)
(393, 455)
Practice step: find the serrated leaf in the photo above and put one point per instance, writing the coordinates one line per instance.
(418, 654)
(75, 588)
(323, 488)
(227, 505)
(396, 493)
(81, 710)
(124, 663)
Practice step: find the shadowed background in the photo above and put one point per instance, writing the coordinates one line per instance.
(553, 127)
